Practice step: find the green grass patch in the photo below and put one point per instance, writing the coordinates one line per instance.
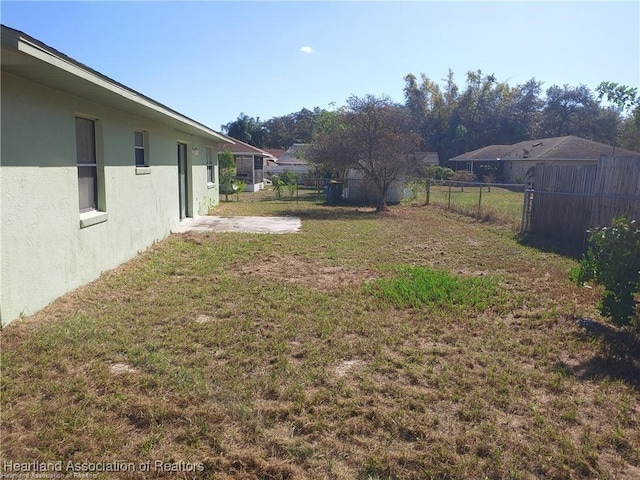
(417, 286)
(496, 205)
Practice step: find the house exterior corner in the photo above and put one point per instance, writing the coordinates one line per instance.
(90, 176)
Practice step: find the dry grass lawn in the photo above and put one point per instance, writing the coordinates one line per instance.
(278, 357)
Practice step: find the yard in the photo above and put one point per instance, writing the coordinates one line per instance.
(311, 355)
(489, 203)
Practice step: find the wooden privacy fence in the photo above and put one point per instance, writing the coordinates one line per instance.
(570, 199)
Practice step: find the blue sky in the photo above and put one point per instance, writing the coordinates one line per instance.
(212, 60)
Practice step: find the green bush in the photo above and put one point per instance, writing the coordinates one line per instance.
(239, 187)
(414, 185)
(227, 165)
(287, 179)
(436, 172)
(613, 261)
(291, 182)
(277, 183)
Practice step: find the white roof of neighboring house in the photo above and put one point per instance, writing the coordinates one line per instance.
(294, 155)
(29, 58)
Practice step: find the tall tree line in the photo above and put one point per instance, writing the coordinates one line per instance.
(452, 119)
(485, 111)
(277, 132)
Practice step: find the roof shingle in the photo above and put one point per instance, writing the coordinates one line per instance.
(569, 147)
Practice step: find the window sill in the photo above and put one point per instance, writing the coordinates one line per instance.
(92, 218)
(143, 170)
(211, 185)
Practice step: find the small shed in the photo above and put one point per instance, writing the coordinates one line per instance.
(360, 190)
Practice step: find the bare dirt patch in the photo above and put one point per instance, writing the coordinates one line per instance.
(204, 319)
(121, 368)
(347, 366)
(308, 272)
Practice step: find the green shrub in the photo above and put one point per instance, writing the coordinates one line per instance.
(291, 182)
(613, 261)
(239, 187)
(278, 183)
(438, 173)
(287, 179)
(414, 185)
(227, 165)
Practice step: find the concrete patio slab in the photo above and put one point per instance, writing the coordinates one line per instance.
(239, 224)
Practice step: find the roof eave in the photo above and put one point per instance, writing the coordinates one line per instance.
(36, 58)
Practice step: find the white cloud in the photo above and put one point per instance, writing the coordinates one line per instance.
(306, 49)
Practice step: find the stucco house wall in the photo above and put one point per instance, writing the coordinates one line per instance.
(47, 246)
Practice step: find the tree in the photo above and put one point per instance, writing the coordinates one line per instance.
(284, 131)
(522, 114)
(487, 111)
(570, 111)
(625, 99)
(326, 121)
(479, 108)
(630, 131)
(432, 111)
(227, 164)
(373, 135)
(246, 129)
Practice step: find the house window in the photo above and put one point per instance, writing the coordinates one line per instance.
(211, 178)
(90, 164)
(87, 164)
(140, 148)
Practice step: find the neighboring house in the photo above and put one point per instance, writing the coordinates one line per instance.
(92, 173)
(516, 163)
(360, 190)
(275, 153)
(291, 160)
(250, 164)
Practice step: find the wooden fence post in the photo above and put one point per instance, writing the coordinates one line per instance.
(525, 210)
(479, 201)
(449, 197)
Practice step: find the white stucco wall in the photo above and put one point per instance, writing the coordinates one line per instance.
(43, 251)
(279, 169)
